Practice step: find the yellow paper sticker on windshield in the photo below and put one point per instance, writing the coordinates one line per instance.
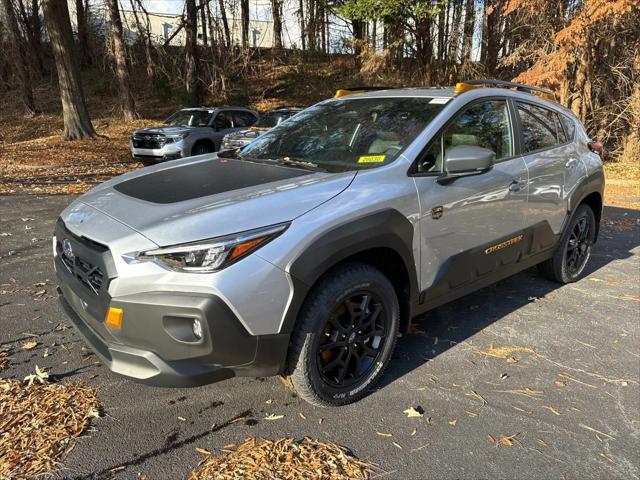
(371, 159)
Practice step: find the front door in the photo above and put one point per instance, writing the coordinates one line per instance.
(471, 226)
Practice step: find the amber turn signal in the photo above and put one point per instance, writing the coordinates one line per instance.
(114, 317)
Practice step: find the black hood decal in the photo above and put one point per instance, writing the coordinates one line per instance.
(201, 179)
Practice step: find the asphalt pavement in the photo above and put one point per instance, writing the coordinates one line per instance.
(523, 379)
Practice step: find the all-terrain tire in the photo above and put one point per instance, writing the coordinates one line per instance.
(559, 267)
(336, 292)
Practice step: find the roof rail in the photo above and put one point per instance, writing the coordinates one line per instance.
(353, 90)
(467, 85)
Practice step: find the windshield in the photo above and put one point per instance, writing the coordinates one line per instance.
(270, 120)
(189, 118)
(341, 135)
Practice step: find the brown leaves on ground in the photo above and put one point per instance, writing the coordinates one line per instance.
(4, 359)
(283, 459)
(38, 424)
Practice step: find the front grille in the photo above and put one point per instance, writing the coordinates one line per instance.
(149, 140)
(90, 275)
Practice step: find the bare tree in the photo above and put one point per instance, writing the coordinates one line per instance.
(244, 16)
(276, 12)
(469, 22)
(22, 64)
(120, 59)
(225, 23)
(203, 20)
(75, 116)
(83, 34)
(191, 54)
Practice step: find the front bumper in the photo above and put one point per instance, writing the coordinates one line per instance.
(170, 151)
(155, 343)
(156, 346)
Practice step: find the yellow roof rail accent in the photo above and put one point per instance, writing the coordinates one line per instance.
(342, 92)
(462, 87)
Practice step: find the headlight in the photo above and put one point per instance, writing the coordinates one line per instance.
(211, 255)
(176, 138)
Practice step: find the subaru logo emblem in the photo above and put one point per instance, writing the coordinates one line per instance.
(66, 248)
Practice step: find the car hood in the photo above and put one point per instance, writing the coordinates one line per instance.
(190, 200)
(165, 130)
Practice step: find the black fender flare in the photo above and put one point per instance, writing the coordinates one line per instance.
(592, 183)
(382, 229)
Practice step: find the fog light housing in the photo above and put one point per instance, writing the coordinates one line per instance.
(197, 329)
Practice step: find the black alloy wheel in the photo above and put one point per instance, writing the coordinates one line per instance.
(574, 249)
(352, 340)
(345, 335)
(578, 248)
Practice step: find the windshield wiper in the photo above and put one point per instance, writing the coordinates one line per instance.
(286, 160)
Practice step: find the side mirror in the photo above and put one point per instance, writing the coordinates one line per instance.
(464, 160)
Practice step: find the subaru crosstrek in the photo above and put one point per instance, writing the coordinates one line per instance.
(307, 252)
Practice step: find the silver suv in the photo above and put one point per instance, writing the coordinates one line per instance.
(307, 252)
(191, 131)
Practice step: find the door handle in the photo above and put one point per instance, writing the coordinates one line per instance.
(571, 162)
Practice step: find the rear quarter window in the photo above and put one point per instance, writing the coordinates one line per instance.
(540, 128)
(569, 127)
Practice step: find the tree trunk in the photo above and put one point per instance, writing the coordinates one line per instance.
(36, 28)
(374, 35)
(303, 39)
(17, 46)
(83, 37)
(469, 22)
(358, 37)
(145, 37)
(120, 58)
(225, 24)
(441, 31)
(276, 12)
(191, 55)
(244, 15)
(203, 22)
(77, 123)
(455, 32)
(492, 39)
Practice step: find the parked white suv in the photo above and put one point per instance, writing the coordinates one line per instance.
(190, 131)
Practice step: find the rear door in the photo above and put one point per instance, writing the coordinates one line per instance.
(553, 163)
(462, 221)
(221, 125)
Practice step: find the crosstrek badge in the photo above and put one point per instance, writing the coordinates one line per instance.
(371, 159)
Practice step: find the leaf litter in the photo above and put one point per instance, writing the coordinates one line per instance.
(39, 422)
(285, 459)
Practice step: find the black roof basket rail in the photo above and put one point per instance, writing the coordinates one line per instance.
(470, 84)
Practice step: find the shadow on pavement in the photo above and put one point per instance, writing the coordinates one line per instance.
(446, 326)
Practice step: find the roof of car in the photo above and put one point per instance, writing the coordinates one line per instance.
(428, 92)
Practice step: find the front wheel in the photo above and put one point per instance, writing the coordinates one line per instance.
(573, 252)
(345, 336)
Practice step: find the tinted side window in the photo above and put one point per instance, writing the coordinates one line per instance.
(484, 124)
(243, 119)
(538, 127)
(222, 121)
(569, 126)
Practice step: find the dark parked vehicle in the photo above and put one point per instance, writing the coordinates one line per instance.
(271, 119)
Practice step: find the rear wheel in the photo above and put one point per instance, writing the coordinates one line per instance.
(573, 252)
(346, 335)
(201, 148)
